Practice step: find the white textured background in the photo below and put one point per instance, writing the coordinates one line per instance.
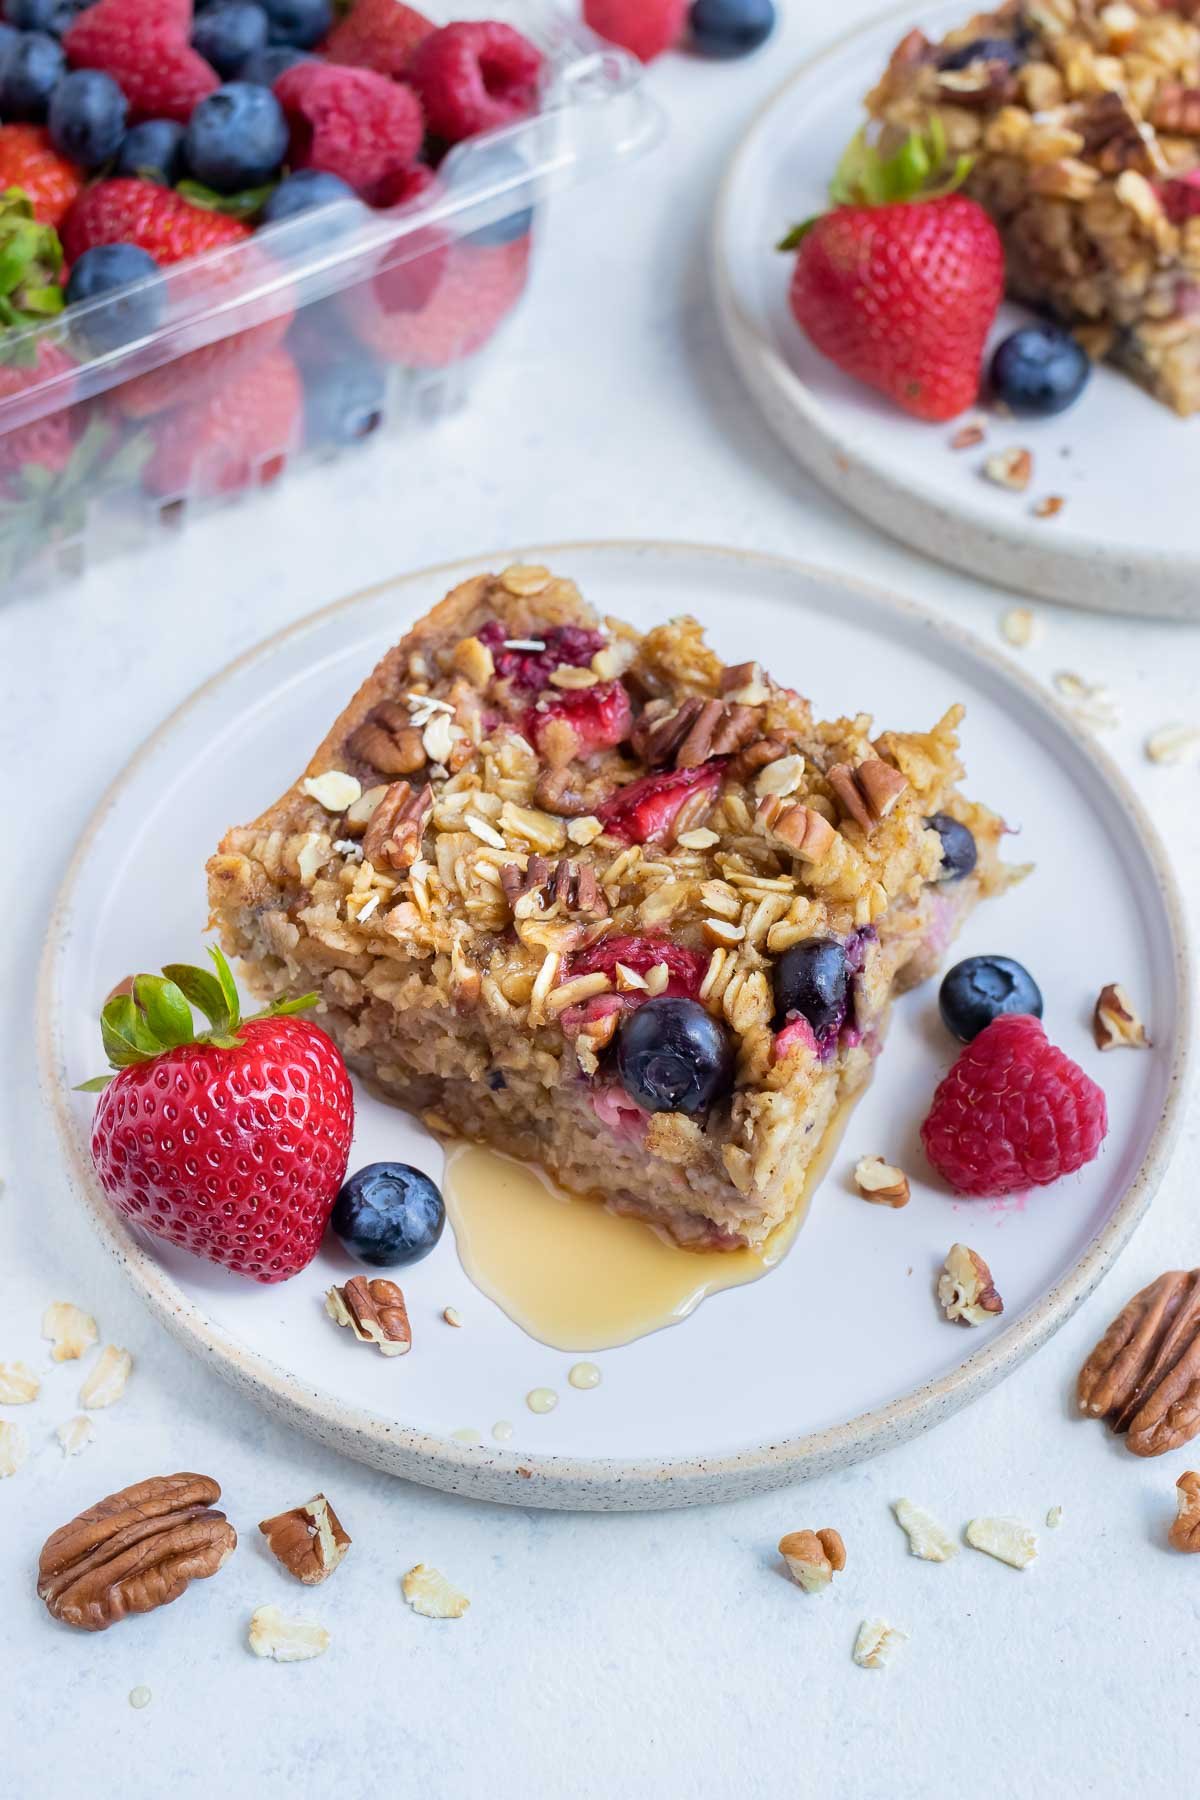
(664, 1655)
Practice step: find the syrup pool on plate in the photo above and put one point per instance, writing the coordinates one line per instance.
(577, 1277)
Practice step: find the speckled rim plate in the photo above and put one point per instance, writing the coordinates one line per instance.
(523, 1477)
(1104, 552)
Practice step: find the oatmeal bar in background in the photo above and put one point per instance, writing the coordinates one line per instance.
(606, 904)
(1083, 121)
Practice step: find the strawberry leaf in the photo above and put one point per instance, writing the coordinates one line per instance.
(167, 1013)
(204, 992)
(228, 984)
(287, 1009)
(96, 1085)
(917, 169)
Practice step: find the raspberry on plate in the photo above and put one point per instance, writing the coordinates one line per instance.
(379, 35)
(475, 77)
(143, 45)
(1013, 1113)
(644, 27)
(349, 122)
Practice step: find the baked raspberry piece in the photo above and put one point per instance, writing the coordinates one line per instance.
(475, 77)
(1013, 1113)
(349, 122)
(554, 960)
(379, 35)
(644, 27)
(574, 724)
(143, 45)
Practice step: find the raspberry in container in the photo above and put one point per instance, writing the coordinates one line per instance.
(235, 242)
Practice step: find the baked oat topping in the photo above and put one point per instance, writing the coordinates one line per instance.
(665, 833)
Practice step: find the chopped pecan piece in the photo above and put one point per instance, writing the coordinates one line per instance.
(965, 1288)
(309, 1540)
(803, 832)
(718, 729)
(982, 85)
(756, 756)
(1185, 1528)
(1176, 110)
(1144, 1374)
(868, 793)
(573, 885)
(374, 1311)
(393, 837)
(562, 792)
(388, 740)
(813, 1557)
(1115, 1024)
(134, 1551)
(1115, 138)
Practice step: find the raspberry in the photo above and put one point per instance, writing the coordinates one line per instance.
(648, 809)
(1180, 197)
(598, 718)
(641, 954)
(565, 645)
(143, 45)
(646, 27)
(350, 122)
(240, 433)
(379, 35)
(442, 306)
(475, 77)
(1013, 1113)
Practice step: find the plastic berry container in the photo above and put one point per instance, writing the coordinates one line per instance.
(326, 330)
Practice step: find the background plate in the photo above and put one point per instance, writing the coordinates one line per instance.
(842, 1350)
(1126, 539)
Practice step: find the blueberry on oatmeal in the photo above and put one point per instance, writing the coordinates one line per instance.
(811, 981)
(959, 854)
(673, 1056)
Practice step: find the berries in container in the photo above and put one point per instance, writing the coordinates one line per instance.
(251, 235)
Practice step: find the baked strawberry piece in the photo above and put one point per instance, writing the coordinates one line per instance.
(605, 903)
(231, 1142)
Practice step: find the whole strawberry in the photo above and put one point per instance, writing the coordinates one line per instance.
(232, 1144)
(1013, 1113)
(899, 284)
(29, 161)
(128, 210)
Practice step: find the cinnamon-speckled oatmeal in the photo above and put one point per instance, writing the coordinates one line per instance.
(530, 824)
(1083, 120)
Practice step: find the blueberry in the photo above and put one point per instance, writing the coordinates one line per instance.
(86, 120)
(959, 854)
(1039, 370)
(52, 16)
(730, 27)
(673, 1056)
(388, 1213)
(301, 23)
(226, 35)
(9, 37)
(136, 314)
(266, 66)
(1010, 51)
(302, 192)
(489, 166)
(236, 137)
(29, 74)
(343, 401)
(980, 989)
(811, 979)
(154, 151)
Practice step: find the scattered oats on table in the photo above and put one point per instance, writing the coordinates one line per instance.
(877, 1642)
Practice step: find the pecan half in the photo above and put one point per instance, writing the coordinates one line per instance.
(393, 837)
(388, 740)
(562, 792)
(868, 793)
(374, 1311)
(309, 1540)
(1144, 1374)
(134, 1551)
(573, 885)
(661, 729)
(1185, 1527)
(1114, 136)
(718, 729)
(756, 756)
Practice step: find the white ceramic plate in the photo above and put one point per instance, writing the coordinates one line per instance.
(1126, 539)
(762, 1384)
